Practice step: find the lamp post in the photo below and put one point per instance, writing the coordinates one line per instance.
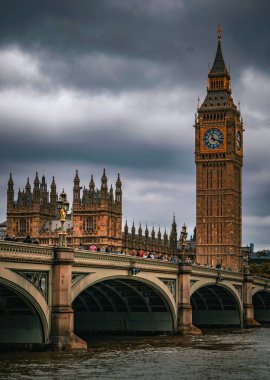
(62, 207)
(183, 239)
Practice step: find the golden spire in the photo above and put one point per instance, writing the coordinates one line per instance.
(219, 31)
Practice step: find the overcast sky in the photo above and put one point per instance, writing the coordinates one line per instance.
(114, 83)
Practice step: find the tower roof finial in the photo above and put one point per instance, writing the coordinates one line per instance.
(219, 32)
(219, 67)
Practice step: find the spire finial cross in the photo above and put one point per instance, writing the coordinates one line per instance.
(219, 32)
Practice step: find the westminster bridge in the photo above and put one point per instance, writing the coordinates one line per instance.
(54, 296)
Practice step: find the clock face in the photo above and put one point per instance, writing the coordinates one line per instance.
(238, 141)
(213, 138)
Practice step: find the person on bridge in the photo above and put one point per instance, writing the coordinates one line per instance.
(27, 239)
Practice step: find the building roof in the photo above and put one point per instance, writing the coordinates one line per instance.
(54, 224)
(219, 66)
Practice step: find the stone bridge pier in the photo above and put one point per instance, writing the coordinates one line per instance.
(184, 320)
(62, 317)
(248, 308)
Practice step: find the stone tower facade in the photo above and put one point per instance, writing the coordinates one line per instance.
(97, 214)
(219, 160)
(32, 209)
(95, 218)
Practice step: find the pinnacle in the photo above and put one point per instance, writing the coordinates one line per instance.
(219, 64)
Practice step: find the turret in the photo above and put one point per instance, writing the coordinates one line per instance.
(36, 192)
(165, 241)
(118, 191)
(10, 191)
(28, 194)
(153, 238)
(125, 237)
(133, 230)
(28, 187)
(43, 185)
(76, 190)
(133, 236)
(173, 237)
(140, 232)
(91, 189)
(92, 184)
(146, 236)
(153, 234)
(111, 198)
(84, 196)
(53, 198)
(43, 191)
(126, 230)
(159, 237)
(140, 236)
(104, 188)
(146, 233)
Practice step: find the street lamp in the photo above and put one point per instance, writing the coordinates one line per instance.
(183, 239)
(62, 207)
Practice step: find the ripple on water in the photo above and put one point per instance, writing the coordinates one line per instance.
(218, 354)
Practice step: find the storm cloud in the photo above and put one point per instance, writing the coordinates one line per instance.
(86, 85)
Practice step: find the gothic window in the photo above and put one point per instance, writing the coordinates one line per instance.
(23, 226)
(90, 224)
(114, 227)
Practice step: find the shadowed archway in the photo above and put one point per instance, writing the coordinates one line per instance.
(261, 305)
(19, 320)
(214, 305)
(121, 305)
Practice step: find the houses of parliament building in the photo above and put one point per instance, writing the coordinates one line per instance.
(96, 216)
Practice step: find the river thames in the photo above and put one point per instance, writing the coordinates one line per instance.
(217, 354)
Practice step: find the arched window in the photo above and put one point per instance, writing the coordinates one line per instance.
(22, 226)
(90, 224)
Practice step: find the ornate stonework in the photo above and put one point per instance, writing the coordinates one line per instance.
(77, 277)
(96, 217)
(219, 159)
(38, 279)
(171, 285)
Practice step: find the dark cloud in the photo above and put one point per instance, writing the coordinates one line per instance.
(100, 148)
(112, 44)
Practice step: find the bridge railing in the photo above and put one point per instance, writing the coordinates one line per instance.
(83, 257)
(14, 250)
(222, 274)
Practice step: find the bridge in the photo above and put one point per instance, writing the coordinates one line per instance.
(56, 296)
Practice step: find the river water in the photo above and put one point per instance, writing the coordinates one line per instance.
(217, 354)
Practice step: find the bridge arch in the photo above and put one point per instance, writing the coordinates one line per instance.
(24, 314)
(122, 303)
(215, 304)
(261, 305)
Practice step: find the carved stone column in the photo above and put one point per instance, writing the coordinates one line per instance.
(62, 321)
(248, 311)
(184, 319)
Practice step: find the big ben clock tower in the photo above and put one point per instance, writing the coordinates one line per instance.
(219, 160)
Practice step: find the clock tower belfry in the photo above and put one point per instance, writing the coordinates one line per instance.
(219, 160)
